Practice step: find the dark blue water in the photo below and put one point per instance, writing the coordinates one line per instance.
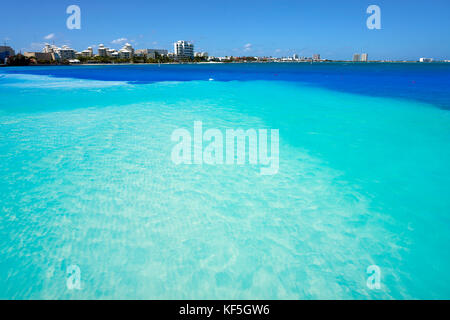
(423, 82)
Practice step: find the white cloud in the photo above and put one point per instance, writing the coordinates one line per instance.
(119, 41)
(49, 36)
(248, 47)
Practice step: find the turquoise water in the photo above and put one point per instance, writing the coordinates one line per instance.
(87, 180)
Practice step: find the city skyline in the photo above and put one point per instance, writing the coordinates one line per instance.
(182, 51)
(238, 29)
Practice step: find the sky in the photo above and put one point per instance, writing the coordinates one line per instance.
(336, 29)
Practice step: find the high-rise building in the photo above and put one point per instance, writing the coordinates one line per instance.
(112, 53)
(63, 53)
(129, 48)
(86, 53)
(102, 50)
(5, 52)
(49, 48)
(356, 57)
(364, 57)
(316, 57)
(127, 52)
(66, 53)
(183, 49)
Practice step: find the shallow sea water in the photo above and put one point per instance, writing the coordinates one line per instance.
(87, 180)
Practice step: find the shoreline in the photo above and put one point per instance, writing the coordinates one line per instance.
(221, 62)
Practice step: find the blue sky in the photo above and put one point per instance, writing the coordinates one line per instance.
(335, 29)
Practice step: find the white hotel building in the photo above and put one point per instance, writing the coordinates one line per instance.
(63, 53)
(183, 49)
(127, 52)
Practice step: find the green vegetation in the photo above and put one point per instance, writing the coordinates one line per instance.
(135, 59)
(200, 59)
(46, 62)
(19, 60)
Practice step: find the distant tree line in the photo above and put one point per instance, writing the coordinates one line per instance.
(19, 60)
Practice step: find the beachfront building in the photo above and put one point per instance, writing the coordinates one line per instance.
(183, 49)
(151, 53)
(40, 56)
(129, 48)
(5, 52)
(316, 57)
(364, 57)
(144, 53)
(86, 53)
(49, 48)
(125, 54)
(112, 53)
(226, 58)
(426, 60)
(201, 54)
(102, 50)
(63, 53)
(295, 57)
(66, 53)
(47, 51)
